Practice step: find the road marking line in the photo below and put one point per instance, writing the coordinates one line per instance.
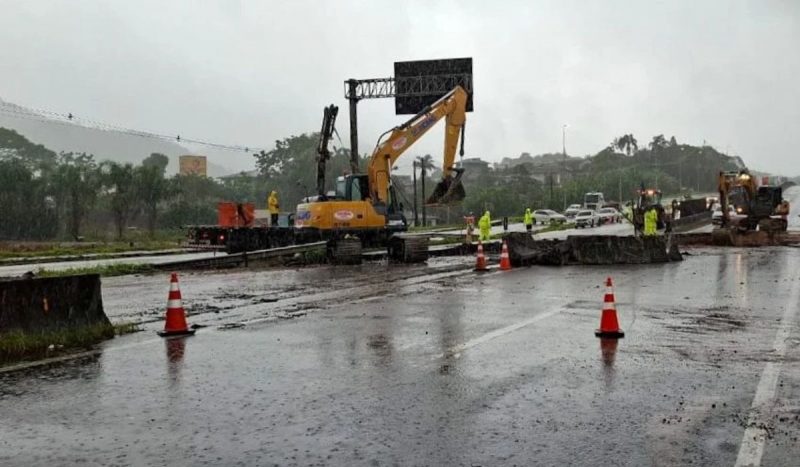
(457, 349)
(752, 448)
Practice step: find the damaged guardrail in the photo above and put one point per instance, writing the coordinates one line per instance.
(686, 223)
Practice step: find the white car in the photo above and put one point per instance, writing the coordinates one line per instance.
(573, 209)
(609, 216)
(587, 218)
(548, 216)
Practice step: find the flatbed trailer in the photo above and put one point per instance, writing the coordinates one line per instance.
(342, 243)
(239, 239)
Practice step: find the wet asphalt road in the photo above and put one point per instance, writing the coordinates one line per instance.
(449, 368)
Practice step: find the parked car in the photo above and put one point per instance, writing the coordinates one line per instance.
(586, 218)
(609, 216)
(573, 209)
(548, 216)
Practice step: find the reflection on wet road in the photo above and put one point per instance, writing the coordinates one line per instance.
(451, 369)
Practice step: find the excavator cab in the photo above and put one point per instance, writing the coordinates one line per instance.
(645, 199)
(352, 188)
(356, 188)
(648, 197)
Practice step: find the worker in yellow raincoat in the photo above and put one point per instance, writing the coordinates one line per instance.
(528, 219)
(485, 225)
(628, 212)
(274, 208)
(650, 221)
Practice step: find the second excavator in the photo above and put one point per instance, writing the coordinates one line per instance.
(757, 208)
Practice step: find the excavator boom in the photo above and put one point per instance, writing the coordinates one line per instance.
(323, 154)
(451, 107)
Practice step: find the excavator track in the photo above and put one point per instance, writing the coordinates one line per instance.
(772, 225)
(344, 251)
(408, 249)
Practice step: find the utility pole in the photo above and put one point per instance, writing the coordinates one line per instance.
(564, 162)
(697, 173)
(656, 150)
(414, 176)
(422, 174)
(352, 86)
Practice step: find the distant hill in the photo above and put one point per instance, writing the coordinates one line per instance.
(536, 161)
(61, 136)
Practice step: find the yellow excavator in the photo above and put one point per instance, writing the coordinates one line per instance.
(366, 207)
(757, 208)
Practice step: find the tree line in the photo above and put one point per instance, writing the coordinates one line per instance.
(617, 171)
(48, 195)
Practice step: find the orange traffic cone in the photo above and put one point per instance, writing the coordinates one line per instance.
(609, 325)
(505, 261)
(480, 263)
(175, 324)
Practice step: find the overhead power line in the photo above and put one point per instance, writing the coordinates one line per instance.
(70, 119)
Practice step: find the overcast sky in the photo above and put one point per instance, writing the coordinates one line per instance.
(251, 72)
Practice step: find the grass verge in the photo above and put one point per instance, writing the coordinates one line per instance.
(451, 240)
(106, 270)
(126, 328)
(18, 345)
(438, 228)
(36, 250)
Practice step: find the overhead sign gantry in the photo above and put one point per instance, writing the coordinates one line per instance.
(415, 85)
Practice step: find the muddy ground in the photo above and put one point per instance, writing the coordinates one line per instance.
(432, 365)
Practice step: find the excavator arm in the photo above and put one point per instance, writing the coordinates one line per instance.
(451, 107)
(323, 154)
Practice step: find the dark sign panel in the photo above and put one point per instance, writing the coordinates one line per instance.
(423, 82)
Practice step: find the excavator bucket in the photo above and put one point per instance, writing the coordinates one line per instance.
(448, 191)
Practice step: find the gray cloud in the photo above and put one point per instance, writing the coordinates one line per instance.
(252, 72)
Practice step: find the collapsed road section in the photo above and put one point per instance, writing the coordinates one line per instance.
(590, 249)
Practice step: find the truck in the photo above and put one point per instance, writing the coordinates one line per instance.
(593, 200)
(239, 228)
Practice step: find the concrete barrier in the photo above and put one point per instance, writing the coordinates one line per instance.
(690, 222)
(51, 304)
(590, 249)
